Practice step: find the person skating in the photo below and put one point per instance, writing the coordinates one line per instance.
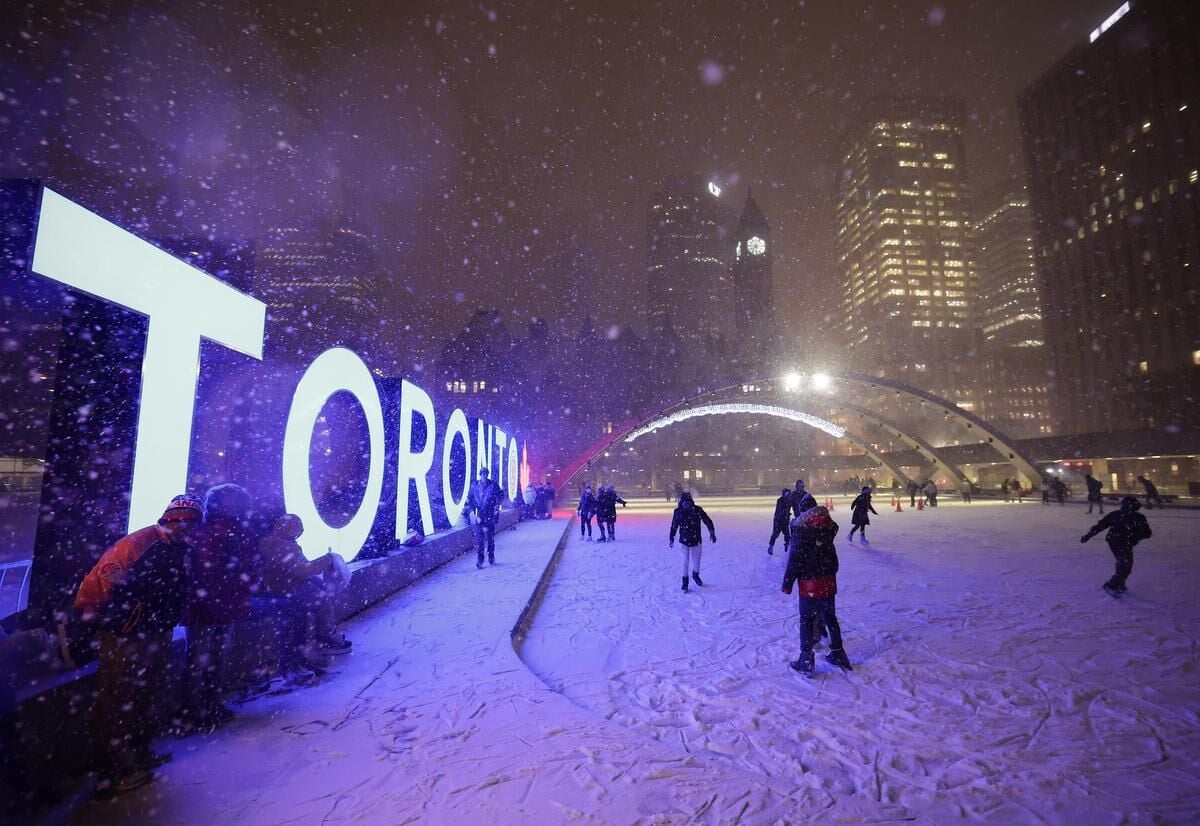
(813, 563)
(483, 505)
(1094, 496)
(606, 515)
(802, 500)
(586, 510)
(134, 597)
(858, 514)
(913, 489)
(1152, 497)
(779, 522)
(1126, 528)
(686, 520)
(1004, 490)
(930, 490)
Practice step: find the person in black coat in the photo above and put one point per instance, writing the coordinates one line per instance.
(587, 509)
(779, 523)
(802, 500)
(1126, 528)
(913, 488)
(1093, 495)
(1152, 497)
(858, 514)
(813, 563)
(686, 520)
(483, 503)
(606, 511)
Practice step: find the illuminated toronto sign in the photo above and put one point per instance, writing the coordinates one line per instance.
(184, 305)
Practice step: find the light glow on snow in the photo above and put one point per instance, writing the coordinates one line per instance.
(832, 429)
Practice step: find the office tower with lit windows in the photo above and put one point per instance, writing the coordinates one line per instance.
(1015, 396)
(1112, 144)
(319, 284)
(689, 287)
(903, 246)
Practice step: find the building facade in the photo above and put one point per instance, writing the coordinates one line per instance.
(1016, 395)
(689, 284)
(319, 284)
(1112, 143)
(751, 275)
(903, 246)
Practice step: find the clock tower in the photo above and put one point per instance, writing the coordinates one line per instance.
(754, 303)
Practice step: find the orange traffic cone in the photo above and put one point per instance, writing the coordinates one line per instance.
(897, 504)
(920, 504)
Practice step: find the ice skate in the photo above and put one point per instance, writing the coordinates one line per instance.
(696, 578)
(838, 657)
(806, 664)
(770, 550)
(685, 583)
(1112, 590)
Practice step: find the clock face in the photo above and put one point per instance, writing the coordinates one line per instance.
(756, 245)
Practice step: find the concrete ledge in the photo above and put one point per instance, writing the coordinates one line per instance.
(373, 580)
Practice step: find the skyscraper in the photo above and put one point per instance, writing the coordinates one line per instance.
(319, 286)
(1112, 142)
(1015, 396)
(754, 304)
(688, 268)
(903, 245)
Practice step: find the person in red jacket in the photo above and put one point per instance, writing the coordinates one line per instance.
(223, 579)
(813, 562)
(134, 597)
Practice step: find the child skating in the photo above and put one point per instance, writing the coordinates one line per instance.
(1126, 528)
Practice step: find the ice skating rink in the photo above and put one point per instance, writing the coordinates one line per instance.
(994, 680)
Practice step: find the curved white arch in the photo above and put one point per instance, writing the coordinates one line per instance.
(834, 430)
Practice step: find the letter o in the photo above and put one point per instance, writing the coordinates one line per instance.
(514, 469)
(456, 427)
(331, 372)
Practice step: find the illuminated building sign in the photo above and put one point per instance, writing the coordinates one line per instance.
(187, 312)
(1108, 23)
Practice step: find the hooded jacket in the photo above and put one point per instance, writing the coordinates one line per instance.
(812, 558)
(139, 585)
(687, 522)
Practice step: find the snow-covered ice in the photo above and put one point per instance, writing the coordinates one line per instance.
(994, 681)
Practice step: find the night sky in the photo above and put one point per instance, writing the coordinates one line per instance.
(502, 155)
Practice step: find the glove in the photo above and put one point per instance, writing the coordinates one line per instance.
(1085, 537)
(787, 589)
(713, 538)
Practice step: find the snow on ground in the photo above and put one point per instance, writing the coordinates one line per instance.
(994, 681)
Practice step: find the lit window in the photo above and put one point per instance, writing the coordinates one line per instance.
(1196, 357)
(1145, 126)
(1143, 367)
(1193, 176)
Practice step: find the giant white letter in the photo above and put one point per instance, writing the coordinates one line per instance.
(501, 442)
(82, 250)
(414, 466)
(456, 428)
(333, 371)
(514, 470)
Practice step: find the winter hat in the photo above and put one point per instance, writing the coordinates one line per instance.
(288, 525)
(184, 508)
(1130, 503)
(815, 516)
(228, 500)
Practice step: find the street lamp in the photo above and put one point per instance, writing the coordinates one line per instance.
(791, 382)
(821, 381)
